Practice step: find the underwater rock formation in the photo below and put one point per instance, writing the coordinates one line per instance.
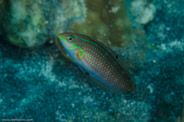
(2, 12)
(63, 16)
(40, 84)
(25, 24)
(166, 42)
(143, 11)
(181, 117)
(40, 80)
(111, 25)
(32, 23)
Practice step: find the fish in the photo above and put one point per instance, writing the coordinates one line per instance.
(99, 61)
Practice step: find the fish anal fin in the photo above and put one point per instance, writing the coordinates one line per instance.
(99, 83)
(83, 71)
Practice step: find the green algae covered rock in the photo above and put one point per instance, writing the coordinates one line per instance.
(39, 85)
(143, 11)
(109, 22)
(25, 24)
(32, 23)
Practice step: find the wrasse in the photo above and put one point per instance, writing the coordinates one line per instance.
(101, 62)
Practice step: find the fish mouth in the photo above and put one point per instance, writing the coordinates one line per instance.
(62, 37)
(64, 40)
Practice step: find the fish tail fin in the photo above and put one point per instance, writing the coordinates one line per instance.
(138, 94)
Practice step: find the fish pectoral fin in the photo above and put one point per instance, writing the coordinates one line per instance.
(80, 54)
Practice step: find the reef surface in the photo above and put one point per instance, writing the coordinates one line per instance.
(39, 83)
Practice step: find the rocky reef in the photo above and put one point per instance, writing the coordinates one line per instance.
(111, 25)
(32, 23)
(40, 84)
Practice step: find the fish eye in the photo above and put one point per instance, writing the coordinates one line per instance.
(70, 38)
(116, 56)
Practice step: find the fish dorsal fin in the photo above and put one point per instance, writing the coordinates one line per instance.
(119, 58)
(125, 63)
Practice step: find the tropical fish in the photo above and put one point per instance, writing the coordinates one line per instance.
(99, 61)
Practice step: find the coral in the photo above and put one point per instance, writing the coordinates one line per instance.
(2, 13)
(40, 80)
(111, 25)
(64, 15)
(32, 23)
(1, 8)
(40, 84)
(25, 24)
(143, 11)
